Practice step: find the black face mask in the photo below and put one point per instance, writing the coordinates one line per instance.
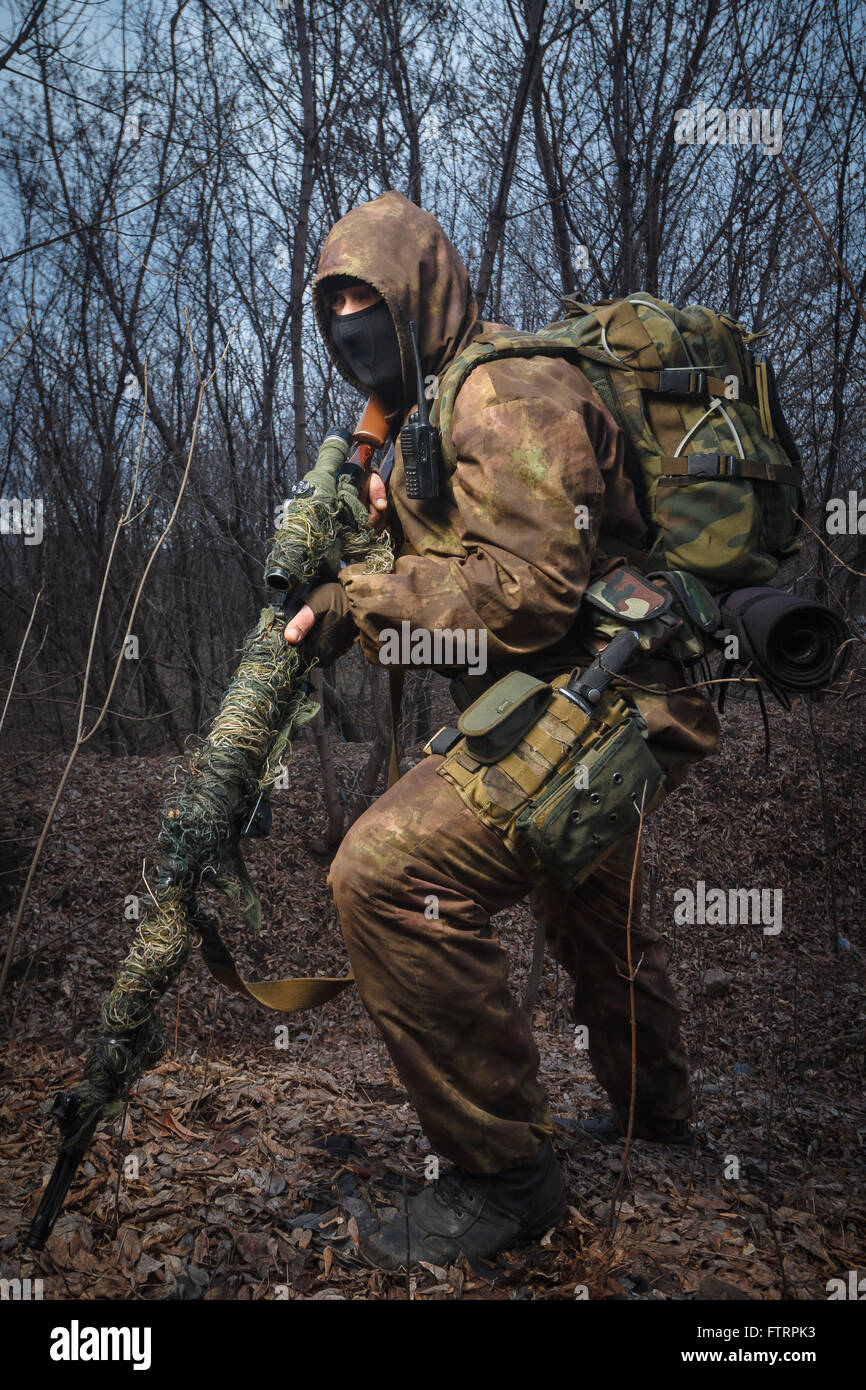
(367, 342)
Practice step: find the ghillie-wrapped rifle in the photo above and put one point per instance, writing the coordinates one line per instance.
(223, 797)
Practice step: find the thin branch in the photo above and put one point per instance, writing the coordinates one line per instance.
(632, 971)
(20, 655)
(837, 558)
(6, 351)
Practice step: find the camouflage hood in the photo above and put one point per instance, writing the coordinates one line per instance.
(401, 251)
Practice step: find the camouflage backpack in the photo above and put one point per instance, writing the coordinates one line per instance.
(714, 466)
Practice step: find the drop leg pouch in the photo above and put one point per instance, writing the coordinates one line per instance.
(574, 823)
(562, 784)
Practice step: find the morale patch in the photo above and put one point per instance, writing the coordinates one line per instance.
(627, 594)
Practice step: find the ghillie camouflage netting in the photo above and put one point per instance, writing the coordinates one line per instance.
(266, 702)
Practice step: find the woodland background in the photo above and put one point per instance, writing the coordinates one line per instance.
(172, 165)
(168, 173)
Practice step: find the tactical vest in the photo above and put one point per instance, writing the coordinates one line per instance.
(715, 469)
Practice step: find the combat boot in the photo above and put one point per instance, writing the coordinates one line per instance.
(473, 1214)
(605, 1127)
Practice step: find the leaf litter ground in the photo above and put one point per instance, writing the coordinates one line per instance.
(247, 1164)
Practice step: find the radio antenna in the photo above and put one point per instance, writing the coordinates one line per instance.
(423, 417)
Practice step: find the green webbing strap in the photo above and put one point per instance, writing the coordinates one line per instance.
(694, 382)
(698, 466)
(612, 546)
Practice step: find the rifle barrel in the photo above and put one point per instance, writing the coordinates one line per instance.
(53, 1198)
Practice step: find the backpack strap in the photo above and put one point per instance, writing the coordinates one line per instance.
(688, 381)
(667, 381)
(485, 348)
(607, 544)
(690, 466)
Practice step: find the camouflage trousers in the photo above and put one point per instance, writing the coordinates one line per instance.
(416, 882)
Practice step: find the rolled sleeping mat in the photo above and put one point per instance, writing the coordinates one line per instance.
(795, 643)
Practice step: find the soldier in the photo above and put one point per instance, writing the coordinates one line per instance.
(498, 552)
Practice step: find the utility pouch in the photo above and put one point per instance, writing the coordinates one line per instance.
(555, 758)
(498, 719)
(698, 609)
(575, 822)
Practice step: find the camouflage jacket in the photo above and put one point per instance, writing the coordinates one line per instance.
(539, 470)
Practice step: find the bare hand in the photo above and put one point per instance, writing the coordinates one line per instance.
(373, 492)
(298, 626)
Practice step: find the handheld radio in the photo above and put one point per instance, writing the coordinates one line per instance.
(419, 443)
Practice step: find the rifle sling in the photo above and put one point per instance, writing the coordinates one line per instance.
(290, 996)
(286, 996)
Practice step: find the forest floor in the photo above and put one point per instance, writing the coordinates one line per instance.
(245, 1163)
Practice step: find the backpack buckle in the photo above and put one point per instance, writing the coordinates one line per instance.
(713, 466)
(682, 381)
